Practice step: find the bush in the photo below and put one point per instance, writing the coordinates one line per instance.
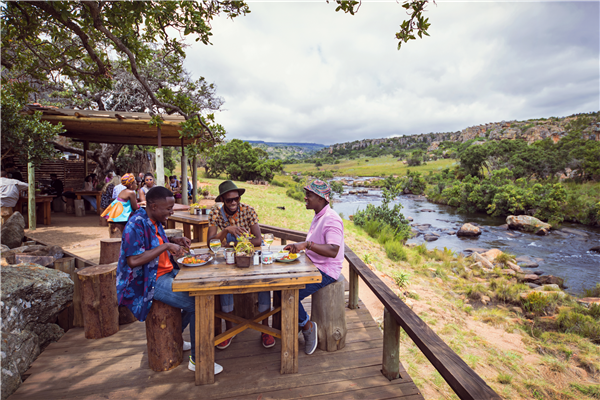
(580, 324)
(277, 183)
(296, 192)
(401, 278)
(395, 251)
(383, 214)
(540, 303)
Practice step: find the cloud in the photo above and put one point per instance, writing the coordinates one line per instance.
(302, 72)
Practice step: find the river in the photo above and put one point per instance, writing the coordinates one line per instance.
(563, 253)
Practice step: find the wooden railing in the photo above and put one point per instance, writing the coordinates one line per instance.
(461, 378)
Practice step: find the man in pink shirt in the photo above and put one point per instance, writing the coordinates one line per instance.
(324, 246)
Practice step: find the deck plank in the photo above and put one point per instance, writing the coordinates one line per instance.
(116, 367)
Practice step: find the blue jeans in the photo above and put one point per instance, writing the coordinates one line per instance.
(264, 302)
(163, 291)
(307, 291)
(91, 200)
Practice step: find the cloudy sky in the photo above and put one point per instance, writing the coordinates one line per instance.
(300, 72)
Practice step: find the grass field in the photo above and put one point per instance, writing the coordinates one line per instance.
(381, 166)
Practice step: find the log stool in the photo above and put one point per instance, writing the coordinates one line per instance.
(99, 301)
(58, 204)
(79, 208)
(164, 339)
(174, 233)
(328, 311)
(70, 206)
(115, 230)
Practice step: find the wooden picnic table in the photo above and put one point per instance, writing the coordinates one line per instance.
(197, 223)
(97, 193)
(217, 277)
(43, 201)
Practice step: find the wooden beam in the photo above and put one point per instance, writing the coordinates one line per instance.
(184, 187)
(390, 365)
(31, 211)
(160, 160)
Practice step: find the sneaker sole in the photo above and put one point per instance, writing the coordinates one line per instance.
(268, 346)
(224, 347)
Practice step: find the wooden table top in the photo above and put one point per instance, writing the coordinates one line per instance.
(219, 275)
(87, 192)
(185, 216)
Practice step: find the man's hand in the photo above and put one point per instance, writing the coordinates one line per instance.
(175, 249)
(182, 241)
(236, 231)
(295, 247)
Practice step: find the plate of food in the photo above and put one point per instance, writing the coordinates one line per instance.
(288, 258)
(195, 260)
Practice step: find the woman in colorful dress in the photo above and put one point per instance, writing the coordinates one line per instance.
(125, 204)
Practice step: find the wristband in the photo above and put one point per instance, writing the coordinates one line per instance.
(309, 245)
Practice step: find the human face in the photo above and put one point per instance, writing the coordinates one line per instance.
(232, 200)
(133, 186)
(312, 201)
(149, 181)
(161, 209)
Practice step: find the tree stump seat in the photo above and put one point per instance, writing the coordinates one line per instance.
(79, 208)
(328, 311)
(115, 230)
(164, 337)
(99, 300)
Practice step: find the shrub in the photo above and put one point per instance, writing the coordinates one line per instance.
(401, 278)
(296, 193)
(580, 324)
(504, 379)
(505, 258)
(275, 182)
(595, 292)
(395, 251)
(589, 390)
(540, 303)
(386, 234)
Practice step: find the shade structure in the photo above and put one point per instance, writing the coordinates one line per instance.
(114, 127)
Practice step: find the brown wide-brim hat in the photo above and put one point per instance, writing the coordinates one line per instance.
(226, 187)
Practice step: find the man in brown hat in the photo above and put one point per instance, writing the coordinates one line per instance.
(227, 223)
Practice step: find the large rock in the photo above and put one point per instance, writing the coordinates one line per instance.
(550, 280)
(468, 230)
(31, 297)
(492, 254)
(595, 249)
(526, 223)
(13, 231)
(526, 262)
(430, 237)
(484, 261)
(8, 257)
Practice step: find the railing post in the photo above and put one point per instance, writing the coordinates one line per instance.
(391, 347)
(353, 288)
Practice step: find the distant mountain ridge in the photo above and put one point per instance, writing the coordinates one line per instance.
(283, 150)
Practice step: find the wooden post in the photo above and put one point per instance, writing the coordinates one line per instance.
(67, 265)
(353, 289)
(276, 322)
(391, 347)
(86, 146)
(328, 311)
(205, 349)
(195, 179)
(110, 249)
(163, 334)
(99, 301)
(115, 230)
(31, 196)
(79, 208)
(77, 313)
(160, 161)
(289, 331)
(184, 196)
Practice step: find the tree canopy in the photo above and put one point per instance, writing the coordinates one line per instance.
(240, 161)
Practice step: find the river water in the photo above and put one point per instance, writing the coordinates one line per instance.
(563, 253)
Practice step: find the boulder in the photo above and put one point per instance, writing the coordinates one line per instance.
(513, 266)
(532, 285)
(503, 227)
(526, 223)
(474, 250)
(595, 249)
(484, 261)
(550, 280)
(451, 233)
(4, 248)
(508, 271)
(550, 288)
(50, 251)
(526, 262)
(588, 301)
(529, 278)
(468, 230)
(492, 254)
(32, 296)
(430, 238)
(13, 231)
(575, 232)
(541, 232)
(8, 257)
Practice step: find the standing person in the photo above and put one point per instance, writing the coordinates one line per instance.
(324, 246)
(232, 220)
(56, 187)
(148, 184)
(146, 270)
(125, 204)
(10, 190)
(13, 172)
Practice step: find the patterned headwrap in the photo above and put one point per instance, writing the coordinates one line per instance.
(320, 188)
(127, 179)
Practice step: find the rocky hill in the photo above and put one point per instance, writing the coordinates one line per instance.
(282, 151)
(530, 130)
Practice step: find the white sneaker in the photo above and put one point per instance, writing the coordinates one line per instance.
(192, 367)
(187, 346)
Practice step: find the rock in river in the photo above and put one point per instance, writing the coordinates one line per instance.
(430, 238)
(595, 249)
(468, 230)
(526, 223)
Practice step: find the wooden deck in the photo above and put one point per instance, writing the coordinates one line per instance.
(116, 367)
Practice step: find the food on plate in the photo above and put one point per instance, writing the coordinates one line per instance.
(196, 259)
(291, 256)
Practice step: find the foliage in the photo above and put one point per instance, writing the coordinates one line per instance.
(395, 251)
(589, 390)
(277, 183)
(595, 292)
(240, 161)
(540, 303)
(243, 245)
(413, 183)
(401, 279)
(580, 324)
(296, 192)
(25, 137)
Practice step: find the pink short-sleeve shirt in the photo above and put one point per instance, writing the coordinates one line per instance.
(327, 228)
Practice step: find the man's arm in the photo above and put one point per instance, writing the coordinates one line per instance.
(149, 255)
(255, 230)
(21, 185)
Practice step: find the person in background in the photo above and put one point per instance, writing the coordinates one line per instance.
(13, 172)
(56, 187)
(118, 189)
(228, 222)
(108, 177)
(10, 190)
(88, 186)
(324, 246)
(175, 187)
(107, 192)
(125, 204)
(167, 182)
(148, 184)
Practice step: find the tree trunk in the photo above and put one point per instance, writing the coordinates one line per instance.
(99, 301)
(328, 311)
(163, 333)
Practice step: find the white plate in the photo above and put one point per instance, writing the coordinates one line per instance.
(180, 261)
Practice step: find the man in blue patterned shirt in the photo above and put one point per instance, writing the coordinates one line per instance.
(146, 269)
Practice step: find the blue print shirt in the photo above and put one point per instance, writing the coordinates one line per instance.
(135, 286)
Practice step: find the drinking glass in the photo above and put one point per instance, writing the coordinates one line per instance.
(215, 246)
(269, 239)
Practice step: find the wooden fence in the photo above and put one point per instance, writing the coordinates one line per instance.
(461, 378)
(71, 173)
